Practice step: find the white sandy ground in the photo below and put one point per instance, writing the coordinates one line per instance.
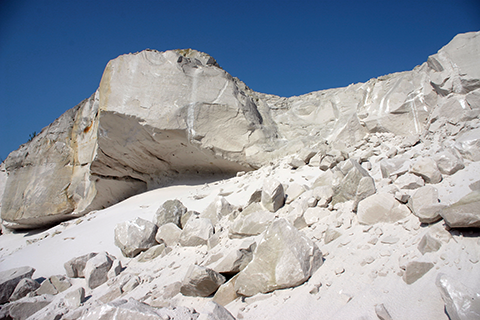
(356, 275)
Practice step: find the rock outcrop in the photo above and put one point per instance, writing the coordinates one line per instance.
(344, 228)
(158, 116)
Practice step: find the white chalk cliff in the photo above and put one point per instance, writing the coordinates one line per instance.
(352, 203)
(160, 116)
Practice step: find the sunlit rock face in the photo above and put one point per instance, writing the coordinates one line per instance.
(161, 116)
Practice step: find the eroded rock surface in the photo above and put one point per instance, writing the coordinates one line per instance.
(159, 116)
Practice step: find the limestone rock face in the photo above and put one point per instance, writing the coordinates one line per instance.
(158, 116)
(284, 258)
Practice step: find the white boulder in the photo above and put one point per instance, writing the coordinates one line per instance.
(135, 236)
(381, 207)
(273, 196)
(284, 258)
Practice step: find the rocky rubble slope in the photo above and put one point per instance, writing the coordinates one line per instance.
(366, 237)
(158, 116)
(375, 221)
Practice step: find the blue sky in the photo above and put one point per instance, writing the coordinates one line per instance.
(52, 53)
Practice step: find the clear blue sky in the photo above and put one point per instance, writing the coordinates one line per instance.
(52, 53)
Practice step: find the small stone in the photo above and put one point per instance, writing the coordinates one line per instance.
(339, 270)
(392, 152)
(115, 269)
(214, 311)
(402, 197)
(331, 234)
(428, 244)
(415, 270)
(389, 240)
(382, 312)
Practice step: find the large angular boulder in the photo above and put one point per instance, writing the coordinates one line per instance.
(427, 169)
(171, 211)
(201, 282)
(381, 207)
(273, 195)
(449, 161)
(25, 307)
(468, 143)
(219, 208)
(135, 236)
(356, 185)
(96, 269)
(196, 232)
(74, 298)
(9, 280)
(174, 105)
(54, 285)
(132, 309)
(465, 213)
(425, 205)
(24, 287)
(169, 234)
(251, 224)
(284, 258)
(75, 266)
(461, 302)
